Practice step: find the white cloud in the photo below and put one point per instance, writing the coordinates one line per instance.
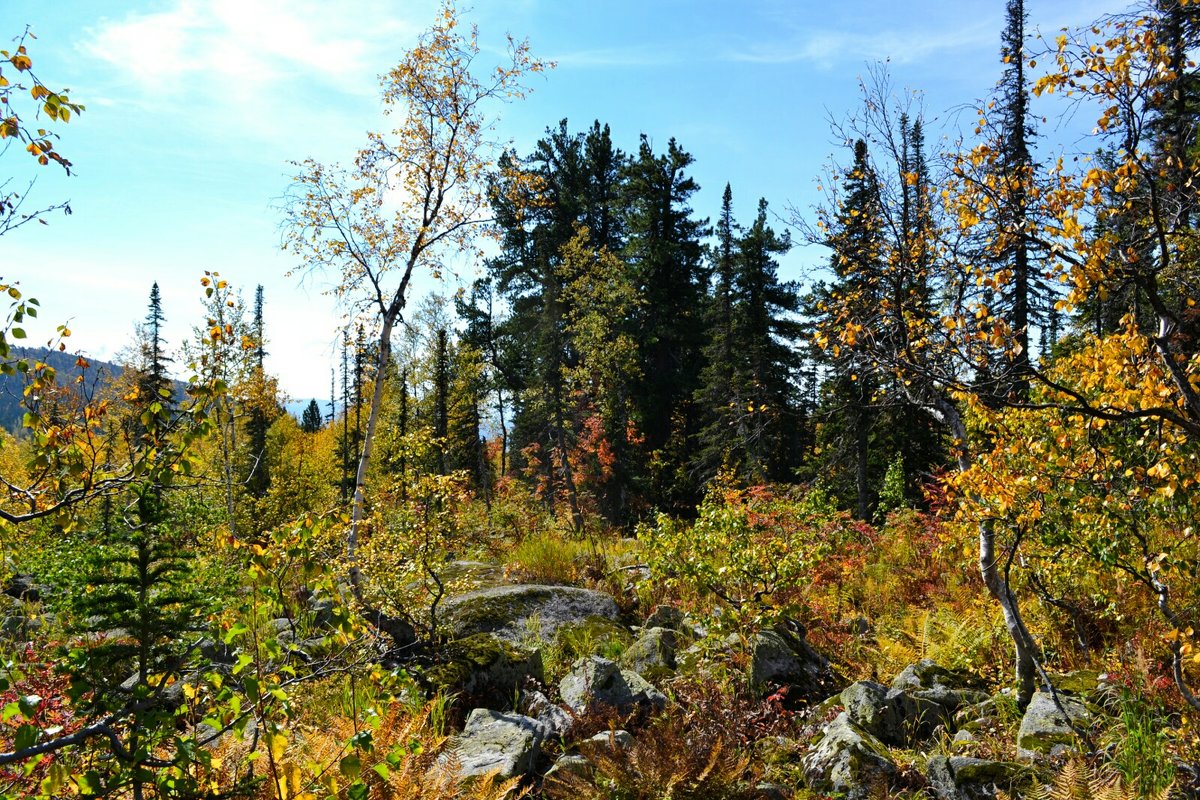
(254, 66)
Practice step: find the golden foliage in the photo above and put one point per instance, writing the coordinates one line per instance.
(1078, 781)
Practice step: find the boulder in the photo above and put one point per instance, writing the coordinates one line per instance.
(950, 688)
(959, 778)
(513, 613)
(554, 717)
(784, 656)
(848, 761)
(569, 764)
(664, 616)
(488, 670)
(1045, 730)
(595, 680)
(617, 738)
(894, 716)
(653, 654)
(506, 745)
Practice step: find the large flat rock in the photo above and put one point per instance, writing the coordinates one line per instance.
(518, 613)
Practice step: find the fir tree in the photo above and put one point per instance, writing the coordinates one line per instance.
(311, 421)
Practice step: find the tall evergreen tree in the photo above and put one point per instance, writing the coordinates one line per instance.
(258, 478)
(311, 421)
(665, 256)
(847, 415)
(154, 381)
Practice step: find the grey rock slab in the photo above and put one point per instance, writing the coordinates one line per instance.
(595, 680)
(1045, 729)
(848, 761)
(506, 745)
(961, 778)
(782, 656)
(515, 613)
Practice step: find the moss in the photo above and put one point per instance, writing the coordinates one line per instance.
(482, 665)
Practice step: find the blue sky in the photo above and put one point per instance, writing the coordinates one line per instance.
(195, 107)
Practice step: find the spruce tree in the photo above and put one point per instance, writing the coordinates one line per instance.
(665, 257)
(258, 478)
(311, 421)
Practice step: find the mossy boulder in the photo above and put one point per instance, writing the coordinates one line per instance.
(783, 656)
(894, 716)
(517, 613)
(961, 778)
(848, 761)
(486, 669)
(653, 654)
(1046, 729)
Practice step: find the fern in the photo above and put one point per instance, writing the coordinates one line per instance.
(1078, 781)
(672, 758)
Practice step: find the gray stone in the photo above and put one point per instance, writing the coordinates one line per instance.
(488, 670)
(960, 778)
(513, 613)
(848, 761)
(950, 688)
(1045, 730)
(569, 764)
(618, 738)
(665, 616)
(538, 706)
(653, 654)
(595, 680)
(782, 656)
(893, 716)
(493, 743)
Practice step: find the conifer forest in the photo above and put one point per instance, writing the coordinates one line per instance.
(631, 509)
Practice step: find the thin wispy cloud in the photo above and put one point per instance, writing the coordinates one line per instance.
(255, 65)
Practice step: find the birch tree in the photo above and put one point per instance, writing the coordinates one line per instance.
(415, 194)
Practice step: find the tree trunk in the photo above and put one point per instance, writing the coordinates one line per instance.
(364, 458)
(995, 581)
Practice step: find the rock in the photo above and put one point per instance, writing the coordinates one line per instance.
(950, 688)
(653, 654)
(322, 611)
(569, 764)
(22, 587)
(618, 738)
(538, 706)
(783, 656)
(893, 716)
(508, 611)
(771, 791)
(959, 778)
(488, 670)
(963, 737)
(592, 636)
(1045, 730)
(595, 680)
(495, 743)
(664, 616)
(848, 761)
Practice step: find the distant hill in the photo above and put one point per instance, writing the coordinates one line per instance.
(12, 387)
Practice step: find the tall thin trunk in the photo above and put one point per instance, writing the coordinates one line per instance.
(989, 567)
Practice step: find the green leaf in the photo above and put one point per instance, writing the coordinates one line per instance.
(18, 333)
(351, 766)
(27, 736)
